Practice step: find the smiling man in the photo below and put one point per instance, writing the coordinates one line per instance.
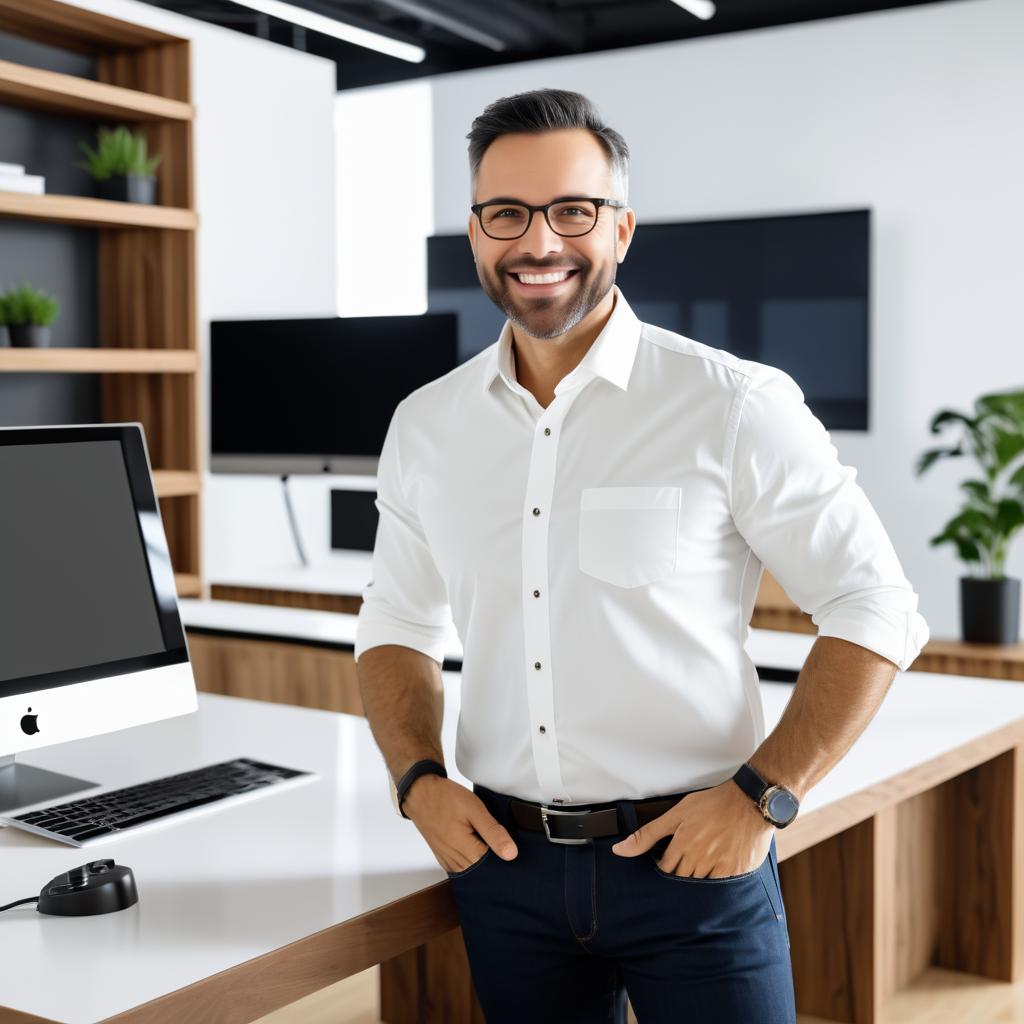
(593, 499)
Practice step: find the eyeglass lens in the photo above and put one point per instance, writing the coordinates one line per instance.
(509, 220)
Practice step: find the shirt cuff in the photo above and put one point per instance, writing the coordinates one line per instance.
(893, 633)
(426, 639)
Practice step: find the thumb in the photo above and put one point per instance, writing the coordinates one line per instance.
(635, 843)
(495, 835)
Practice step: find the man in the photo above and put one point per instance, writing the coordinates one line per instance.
(593, 500)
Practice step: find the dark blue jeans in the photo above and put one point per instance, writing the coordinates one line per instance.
(561, 933)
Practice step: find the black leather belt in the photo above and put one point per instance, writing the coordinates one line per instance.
(562, 825)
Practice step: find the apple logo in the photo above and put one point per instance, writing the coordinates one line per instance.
(28, 724)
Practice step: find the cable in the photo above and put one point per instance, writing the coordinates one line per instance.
(18, 903)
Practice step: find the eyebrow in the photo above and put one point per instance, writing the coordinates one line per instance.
(522, 202)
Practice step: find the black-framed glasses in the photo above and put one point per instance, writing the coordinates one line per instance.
(570, 216)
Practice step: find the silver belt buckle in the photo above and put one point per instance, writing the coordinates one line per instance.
(545, 811)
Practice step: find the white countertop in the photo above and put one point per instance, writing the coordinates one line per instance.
(767, 647)
(239, 881)
(344, 572)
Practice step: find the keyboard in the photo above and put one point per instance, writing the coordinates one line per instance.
(91, 819)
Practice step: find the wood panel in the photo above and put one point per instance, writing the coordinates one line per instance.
(284, 673)
(83, 211)
(829, 892)
(345, 603)
(52, 91)
(73, 28)
(983, 926)
(170, 483)
(96, 360)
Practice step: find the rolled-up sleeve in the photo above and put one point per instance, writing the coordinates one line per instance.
(406, 600)
(812, 526)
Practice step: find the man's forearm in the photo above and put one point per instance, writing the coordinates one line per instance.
(838, 691)
(403, 699)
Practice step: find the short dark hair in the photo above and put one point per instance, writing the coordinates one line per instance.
(545, 110)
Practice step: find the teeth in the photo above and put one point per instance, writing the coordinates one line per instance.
(543, 278)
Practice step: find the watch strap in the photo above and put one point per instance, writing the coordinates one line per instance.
(750, 781)
(427, 766)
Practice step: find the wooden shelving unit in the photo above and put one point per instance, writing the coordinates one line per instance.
(147, 355)
(97, 360)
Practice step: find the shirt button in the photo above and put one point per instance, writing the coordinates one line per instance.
(536, 511)
(536, 593)
(542, 729)
(547, 431)
(536, 665)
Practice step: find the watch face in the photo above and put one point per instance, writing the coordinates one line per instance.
(782, 806)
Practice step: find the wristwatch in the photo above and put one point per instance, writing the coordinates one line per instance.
(424, 767)
(778, 805)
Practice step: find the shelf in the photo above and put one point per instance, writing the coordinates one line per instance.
(69, 94)
(188, 584)
(98, 360)
(174, 483)
(97, 213)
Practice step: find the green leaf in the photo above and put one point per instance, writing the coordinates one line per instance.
(979, 490)
(934, 455)
(118, 151)
(28, 305)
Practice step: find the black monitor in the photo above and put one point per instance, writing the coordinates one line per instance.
(317, 395)
(790, 291)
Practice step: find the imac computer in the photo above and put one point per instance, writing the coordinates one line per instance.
(90, 636)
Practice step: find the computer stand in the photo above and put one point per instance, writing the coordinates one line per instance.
(292, 520)
(22, 785)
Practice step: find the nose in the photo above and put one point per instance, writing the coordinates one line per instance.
(540, 239)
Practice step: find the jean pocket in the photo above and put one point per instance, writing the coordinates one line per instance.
(655, 852)
(472, 867)
(628, 535)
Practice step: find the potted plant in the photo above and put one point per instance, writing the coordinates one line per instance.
(992, 513)
(120, 166)
(28, 313)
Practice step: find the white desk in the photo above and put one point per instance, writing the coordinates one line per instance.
(235, 883)
(768, 647)
(225, 886)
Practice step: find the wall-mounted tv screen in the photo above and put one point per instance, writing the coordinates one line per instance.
(317, 395)
(791, 291)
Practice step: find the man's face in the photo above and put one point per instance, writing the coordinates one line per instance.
(537, 168)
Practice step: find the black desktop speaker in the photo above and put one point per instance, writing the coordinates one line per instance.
(353, 520)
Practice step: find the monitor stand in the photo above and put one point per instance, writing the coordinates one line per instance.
(22, 785)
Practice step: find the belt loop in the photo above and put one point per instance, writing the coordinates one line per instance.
(627, 815)
(497, 804)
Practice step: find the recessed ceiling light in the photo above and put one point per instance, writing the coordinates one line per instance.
(702, 9)
(338, 29)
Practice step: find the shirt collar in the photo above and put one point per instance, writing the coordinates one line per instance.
(611, 356)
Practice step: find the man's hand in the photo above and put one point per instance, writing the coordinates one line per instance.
(717, 832)
(454, 820)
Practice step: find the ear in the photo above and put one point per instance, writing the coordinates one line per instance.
(624, 232)
(471, 231)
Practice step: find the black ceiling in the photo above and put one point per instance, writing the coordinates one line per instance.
(459, 34)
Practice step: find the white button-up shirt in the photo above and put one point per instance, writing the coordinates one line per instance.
(600, 558)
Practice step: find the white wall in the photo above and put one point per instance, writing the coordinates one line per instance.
(912, 112)
(265, 191)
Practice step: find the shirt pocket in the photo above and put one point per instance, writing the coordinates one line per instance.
(628, 535)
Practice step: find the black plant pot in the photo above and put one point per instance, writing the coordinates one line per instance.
(129, 188)
(990, 610)
(29, 335)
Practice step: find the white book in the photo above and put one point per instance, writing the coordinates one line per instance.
(12, 168)
(22, 183)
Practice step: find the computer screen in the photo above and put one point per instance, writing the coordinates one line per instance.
(791, 291)
(90, 635)
(317, 395)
